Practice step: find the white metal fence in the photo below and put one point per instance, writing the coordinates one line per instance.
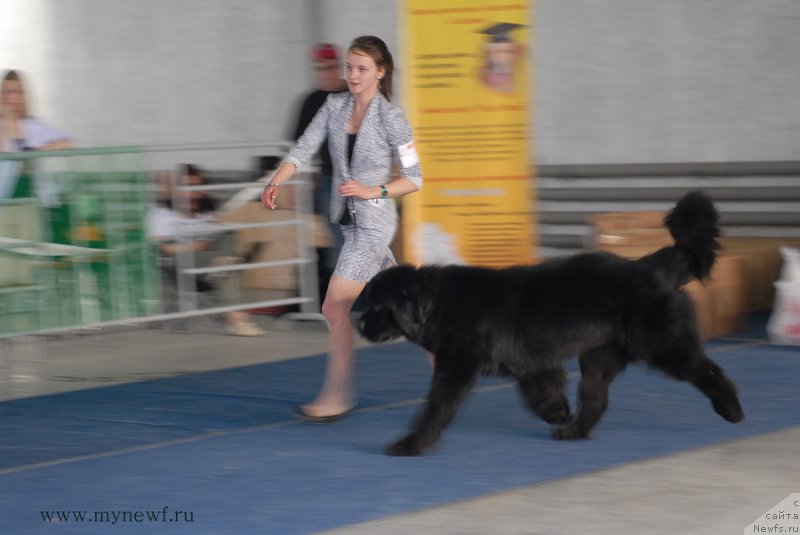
(156, 163)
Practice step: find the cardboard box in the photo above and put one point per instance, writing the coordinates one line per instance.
(630, 234)
(280, 244)
(761, 267)
(727, 296)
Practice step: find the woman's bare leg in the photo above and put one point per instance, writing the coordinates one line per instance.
(337, 394)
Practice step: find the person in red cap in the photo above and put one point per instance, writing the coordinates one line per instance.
(327, 64)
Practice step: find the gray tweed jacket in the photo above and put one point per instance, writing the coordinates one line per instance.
(384, 137)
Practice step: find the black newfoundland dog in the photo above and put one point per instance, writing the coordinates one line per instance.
(526, 321)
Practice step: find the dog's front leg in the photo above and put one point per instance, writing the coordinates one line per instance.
(448, 390)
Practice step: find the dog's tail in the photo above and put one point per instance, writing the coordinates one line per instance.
(693, 224)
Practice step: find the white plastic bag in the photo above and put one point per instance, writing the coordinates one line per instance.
(784, 322)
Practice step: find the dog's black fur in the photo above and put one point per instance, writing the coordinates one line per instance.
(526, 321)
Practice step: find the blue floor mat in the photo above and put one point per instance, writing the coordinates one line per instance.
(225, 446)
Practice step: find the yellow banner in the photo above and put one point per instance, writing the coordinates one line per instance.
(466, 95)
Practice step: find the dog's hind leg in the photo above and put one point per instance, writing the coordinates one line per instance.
(544, 393)
(448, 390)
(598, 369)
(692, 365)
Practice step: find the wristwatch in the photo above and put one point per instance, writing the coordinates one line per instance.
(384, 192)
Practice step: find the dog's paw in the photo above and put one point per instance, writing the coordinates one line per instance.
(562, 418)
(405, 447)
(731, 410)
(569, 432)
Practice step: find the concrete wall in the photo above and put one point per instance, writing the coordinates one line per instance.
(667, 81)
(615, 81)
(153, 71)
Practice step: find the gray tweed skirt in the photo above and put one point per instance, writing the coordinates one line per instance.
(365, 252)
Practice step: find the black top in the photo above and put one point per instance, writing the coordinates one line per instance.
(309, 109)
(351, 143)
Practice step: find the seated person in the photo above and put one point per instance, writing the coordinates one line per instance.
(208, 245)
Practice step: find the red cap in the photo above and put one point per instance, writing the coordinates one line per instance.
(324, 51)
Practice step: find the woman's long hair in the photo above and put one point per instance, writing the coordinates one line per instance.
(375, 48)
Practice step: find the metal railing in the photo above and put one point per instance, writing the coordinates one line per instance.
(305, 259)
(70, 189)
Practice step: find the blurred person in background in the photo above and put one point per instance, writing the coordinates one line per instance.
(327, 64)
(367, 135)
(192, 228)
(21, 131)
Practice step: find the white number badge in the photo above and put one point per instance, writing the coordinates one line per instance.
(408, 154)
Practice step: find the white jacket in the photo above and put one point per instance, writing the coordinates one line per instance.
(385, 135)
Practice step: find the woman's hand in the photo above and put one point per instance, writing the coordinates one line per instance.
(269, 195)
(283, 173)
(353, 188)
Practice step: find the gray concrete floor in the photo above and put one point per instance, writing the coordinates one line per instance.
(711, 491)
(38, 365)
(714, 490)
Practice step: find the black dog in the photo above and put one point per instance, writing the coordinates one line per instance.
(525, 321)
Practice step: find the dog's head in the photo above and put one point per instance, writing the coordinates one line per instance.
(395, 304)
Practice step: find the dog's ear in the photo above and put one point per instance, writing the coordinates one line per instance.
(422, 308)
(406, 315)
(412, 308)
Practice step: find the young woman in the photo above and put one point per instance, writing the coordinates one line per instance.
(20, 131)
(366, 135)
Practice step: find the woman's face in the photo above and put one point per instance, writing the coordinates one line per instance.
(362, 73)
(12, 98)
